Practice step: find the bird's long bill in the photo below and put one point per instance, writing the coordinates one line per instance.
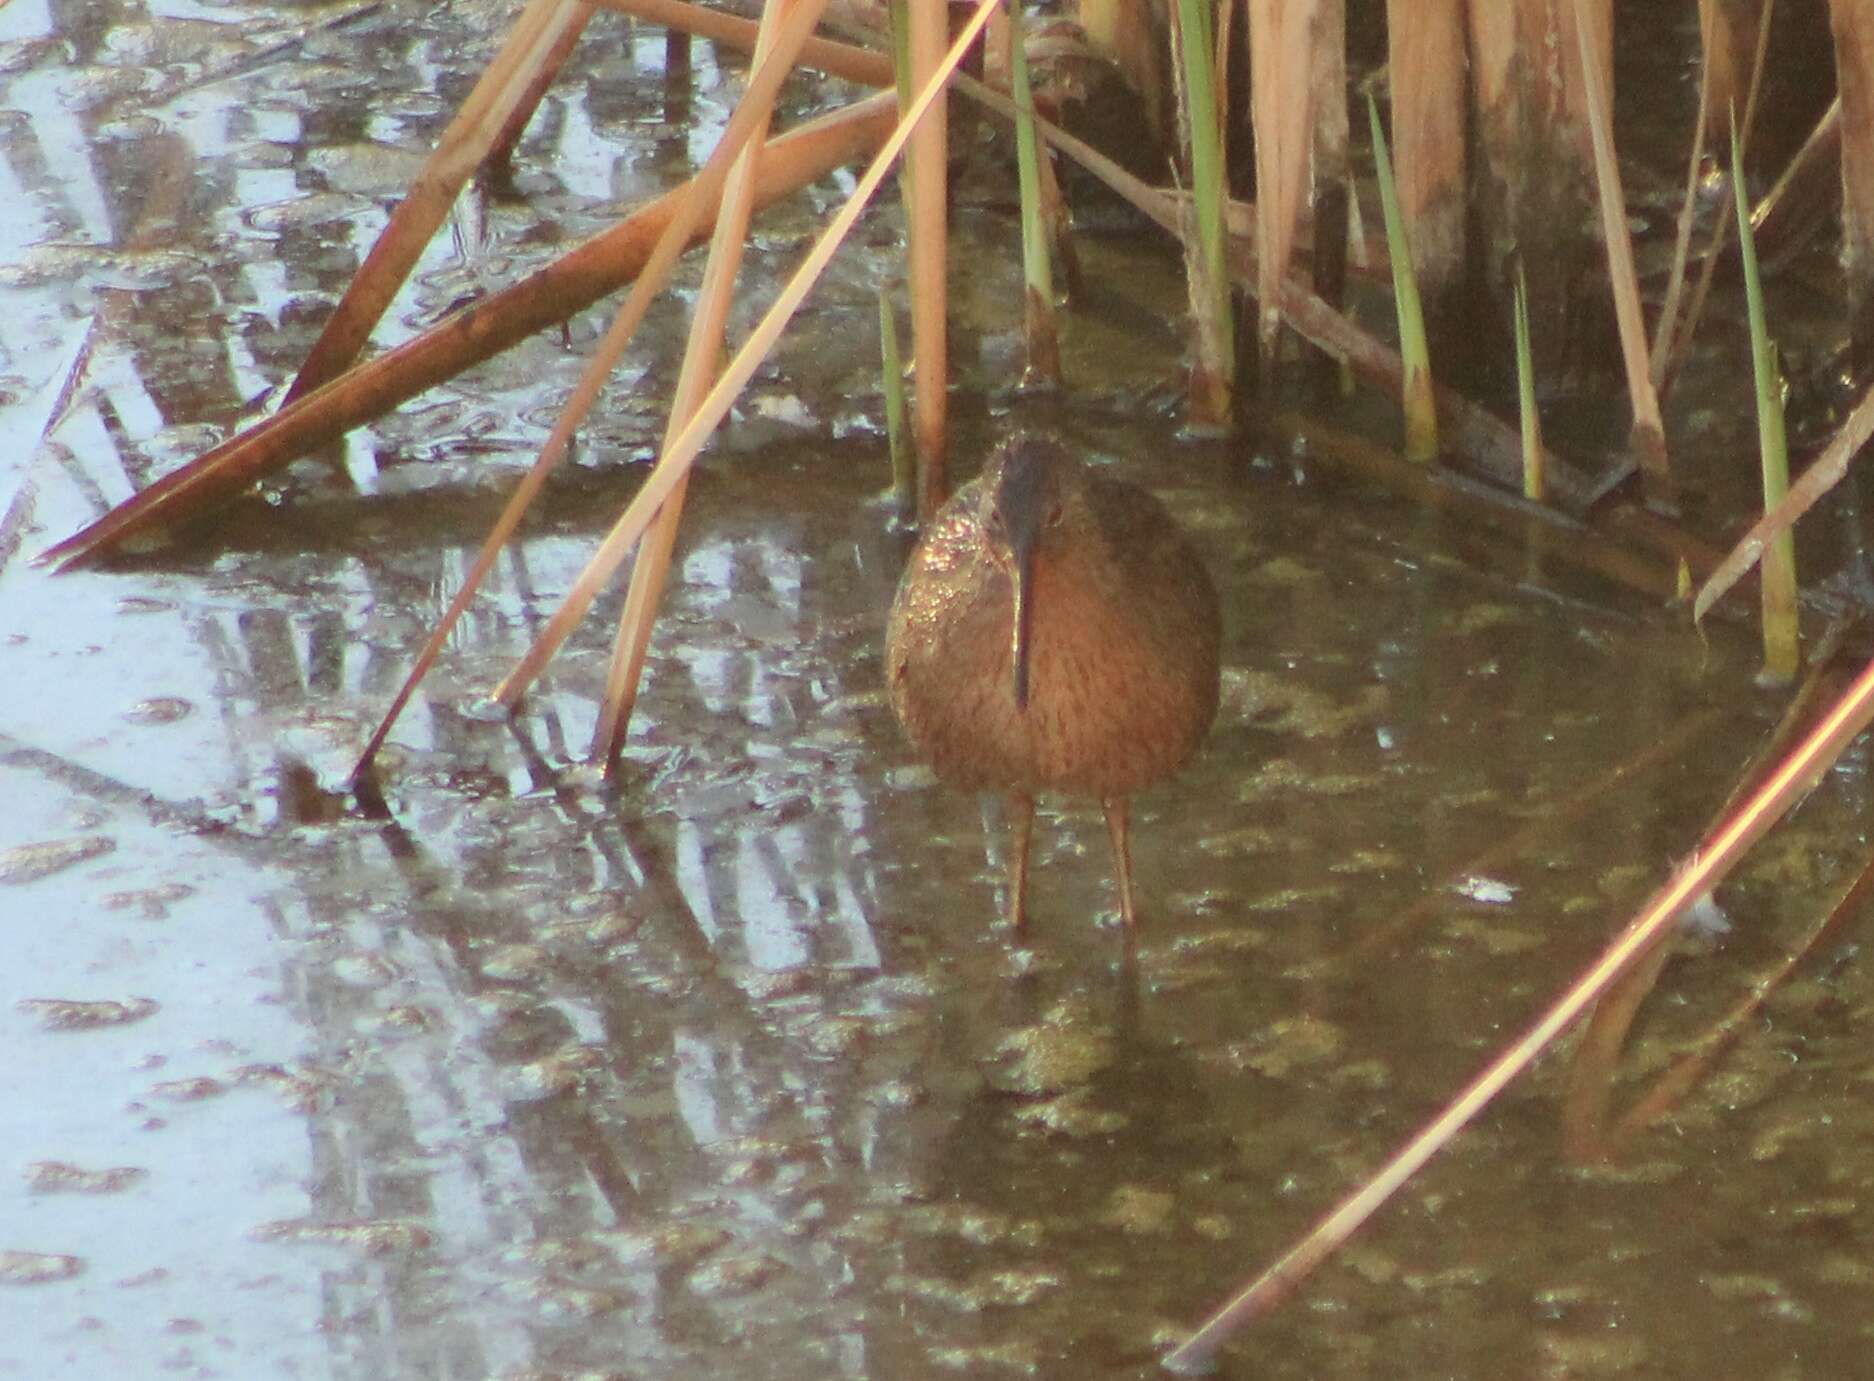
(1024, 583)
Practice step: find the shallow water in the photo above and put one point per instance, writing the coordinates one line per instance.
(730, 1067)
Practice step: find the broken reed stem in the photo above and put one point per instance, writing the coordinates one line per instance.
(1416, 395)
(1535, 478)
(1038, 324)
(1649, 433)
(701, 352)
(1804, 193)
(1206, 259)
(681, 453)
(506, 91)
(1698, 874)
(1823, 474)
(1781, 648)
(926, 218)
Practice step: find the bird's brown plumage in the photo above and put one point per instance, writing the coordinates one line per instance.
(1122, 669)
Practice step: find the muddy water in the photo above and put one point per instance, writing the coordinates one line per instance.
(729, 1069)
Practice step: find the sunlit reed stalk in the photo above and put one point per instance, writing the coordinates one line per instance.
(1535, 478)
(927, 156)
(1213, 371)
(1791, 778)
(1588, 1100)
(703, 193)
(897, 430)
(503, 92)
(677, 458)
(1781, 650)
(1038, 328)
(638, 254)
(1282, 36)
(702, 351)
(1417, 396)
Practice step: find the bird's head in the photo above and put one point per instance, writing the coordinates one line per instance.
(1028, 492)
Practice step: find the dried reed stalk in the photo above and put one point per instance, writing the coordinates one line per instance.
(1282, 38)
(1698, 874)
(1593, 29)
(1673, 1085)
(501, 150)
(838, 59)
(1427, 63)
(1852, 22)
(681, 454)
(569, 285)
(1588, 1094)
(701, 194)
(1823, 474)
(1468, 428)
(507, 90)
(1532, 180)
(1807, 190)
(928, 158)
(703, 349)
(1329, 160)
(1680, 342)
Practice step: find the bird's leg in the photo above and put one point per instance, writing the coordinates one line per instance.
(1022, 819)
(1115, 807)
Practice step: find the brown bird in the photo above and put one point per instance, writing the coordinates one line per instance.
(1054, 631)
